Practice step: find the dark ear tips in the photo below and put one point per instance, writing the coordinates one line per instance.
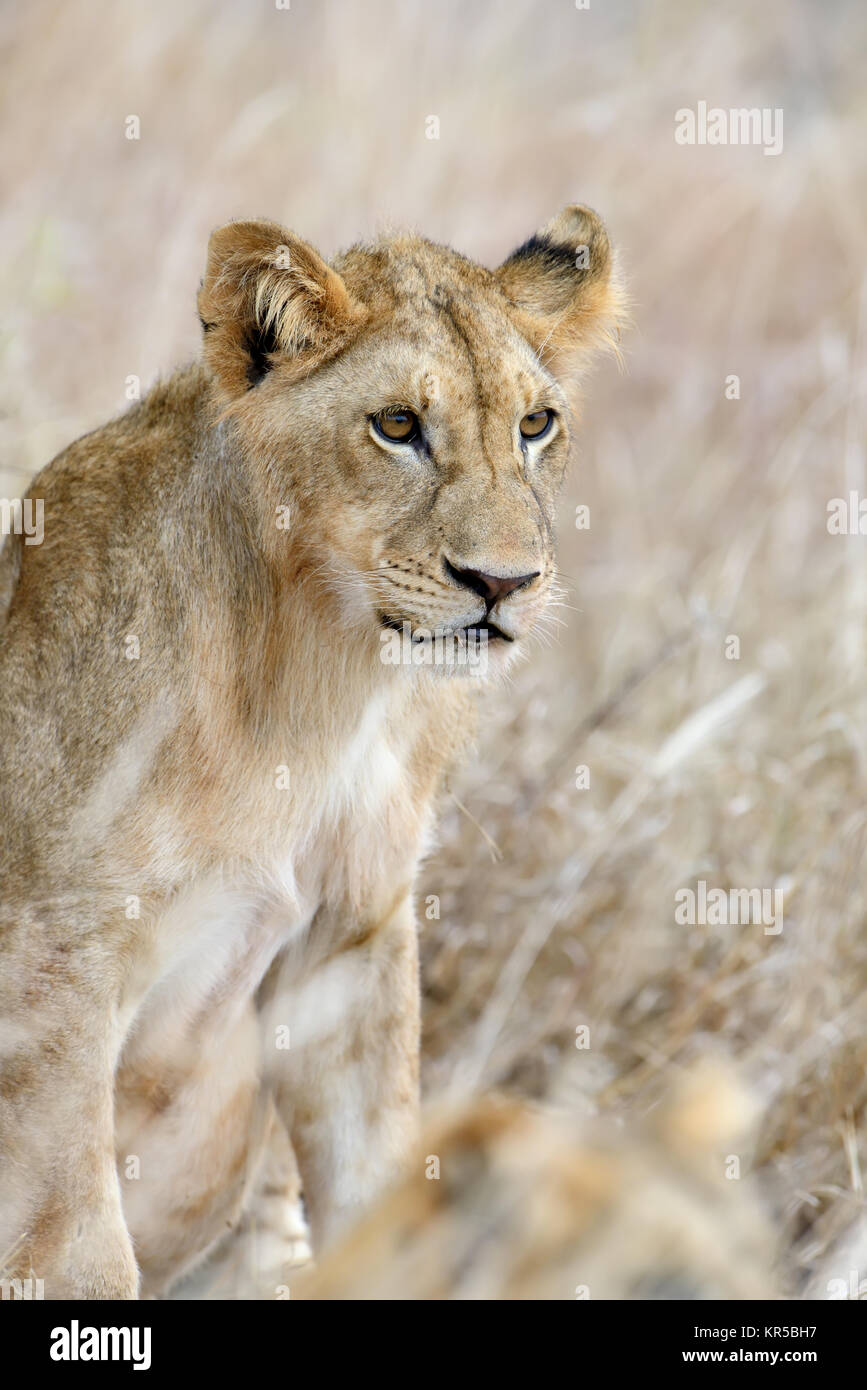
(558, 257)
(572, 247)
(562, 285)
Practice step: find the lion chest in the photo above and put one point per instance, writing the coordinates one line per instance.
(339, 834)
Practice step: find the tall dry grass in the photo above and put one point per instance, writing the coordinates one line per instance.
(708, 515)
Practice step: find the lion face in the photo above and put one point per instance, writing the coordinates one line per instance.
(404, 406)
(440, 510)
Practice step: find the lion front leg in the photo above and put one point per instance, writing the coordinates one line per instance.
(60, 1208)
(342, 1049)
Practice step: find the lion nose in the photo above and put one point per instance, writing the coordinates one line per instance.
(491, 587)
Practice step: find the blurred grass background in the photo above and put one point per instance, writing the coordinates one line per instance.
(708, 515)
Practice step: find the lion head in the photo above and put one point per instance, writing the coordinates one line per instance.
(405, 408)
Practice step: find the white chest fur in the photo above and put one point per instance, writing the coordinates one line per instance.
(213, 943)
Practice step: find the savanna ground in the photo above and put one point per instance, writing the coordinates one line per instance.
(707, 514)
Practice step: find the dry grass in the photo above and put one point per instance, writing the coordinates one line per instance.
(707, 515)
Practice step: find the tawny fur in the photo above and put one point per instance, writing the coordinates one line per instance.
(506, 1202)
(216, 794)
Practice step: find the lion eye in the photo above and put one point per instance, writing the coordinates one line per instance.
(537, 423)
(399, 426)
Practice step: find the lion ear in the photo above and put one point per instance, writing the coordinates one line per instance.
(563, 287)
(266, 295)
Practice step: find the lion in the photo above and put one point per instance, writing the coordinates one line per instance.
(505, 1201)
(232, 678)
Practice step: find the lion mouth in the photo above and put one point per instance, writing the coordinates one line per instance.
(484, 631)
(473, 632)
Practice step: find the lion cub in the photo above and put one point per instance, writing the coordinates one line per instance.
(231, 677)
(507, 1201)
